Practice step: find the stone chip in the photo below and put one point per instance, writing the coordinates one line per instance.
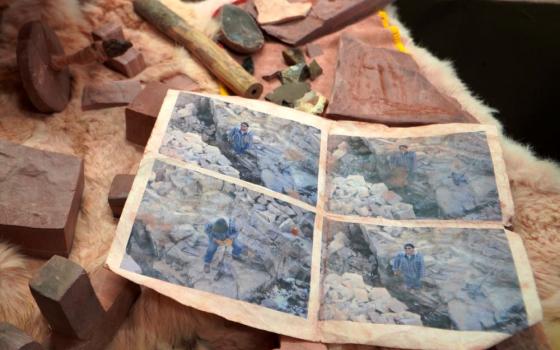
(280, 11)
(110, 94)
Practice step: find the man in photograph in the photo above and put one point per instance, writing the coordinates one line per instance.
(410, 265)
(403, 164)
(240, 138)
(221, 233)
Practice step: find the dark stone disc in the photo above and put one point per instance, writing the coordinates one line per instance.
(48, 90)
(239, 31)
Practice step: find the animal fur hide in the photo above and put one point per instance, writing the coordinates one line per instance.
(157, 322)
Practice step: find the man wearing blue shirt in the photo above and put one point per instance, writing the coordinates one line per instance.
(410, 265)
(406, 160)
(240, 138)
(221, 233)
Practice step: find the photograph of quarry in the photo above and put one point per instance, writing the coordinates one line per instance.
(200, 232)
(436, 177)
(276, 153)
(448, 278)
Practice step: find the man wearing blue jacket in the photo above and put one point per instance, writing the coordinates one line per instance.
(221, 233)
(240, 138)
(411, 265)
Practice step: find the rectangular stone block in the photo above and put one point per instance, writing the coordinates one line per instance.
(120, 187)
(142, 113)
(13, 338)
(109, 30)
(129, 63)
(40, 199)
(181, 82)
(66, 298)
(110, 94)
(117, 296)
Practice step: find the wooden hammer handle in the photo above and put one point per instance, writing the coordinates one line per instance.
(216, 59)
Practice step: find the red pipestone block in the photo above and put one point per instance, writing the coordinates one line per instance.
(120, 187)
(110, 94)
(13, 338)
(117, 296)
(129, 63)
(142, 113)
(40, 196)
(109, 30)
(66, 298)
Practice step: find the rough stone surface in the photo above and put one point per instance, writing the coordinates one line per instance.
(348, 298)
(453, 177)
(110, 94)
(287, 94)
(120, 187)
(352, 195)
(382, 86)
(40, 198)
(142, 112)
(325, 17)
(284, 156)
(181, 82)
(470, 281)
(280, 11)
(66, 298)
(117, 296)
(168, 240)
(109, 30)
(13, 338)
(129, 63)
(239, 31)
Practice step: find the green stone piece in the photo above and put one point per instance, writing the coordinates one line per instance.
(288, 94)
(312, 102)
(293, 56)
(248, 65)
(295, 73)
(314, 70)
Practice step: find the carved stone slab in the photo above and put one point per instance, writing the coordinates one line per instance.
(325, 17)
(386, 86)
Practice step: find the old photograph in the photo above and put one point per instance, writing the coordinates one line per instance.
(276, 153)
(197, 231)
(459, 279)
(437, 177)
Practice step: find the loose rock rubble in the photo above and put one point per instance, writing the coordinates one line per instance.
(168, 239)
(348, 298)
(352, 195)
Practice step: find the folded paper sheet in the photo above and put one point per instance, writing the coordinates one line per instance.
(341, 232)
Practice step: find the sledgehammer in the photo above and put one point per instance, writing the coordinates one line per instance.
(216, 59)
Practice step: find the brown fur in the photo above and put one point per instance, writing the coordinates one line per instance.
(157, 322)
